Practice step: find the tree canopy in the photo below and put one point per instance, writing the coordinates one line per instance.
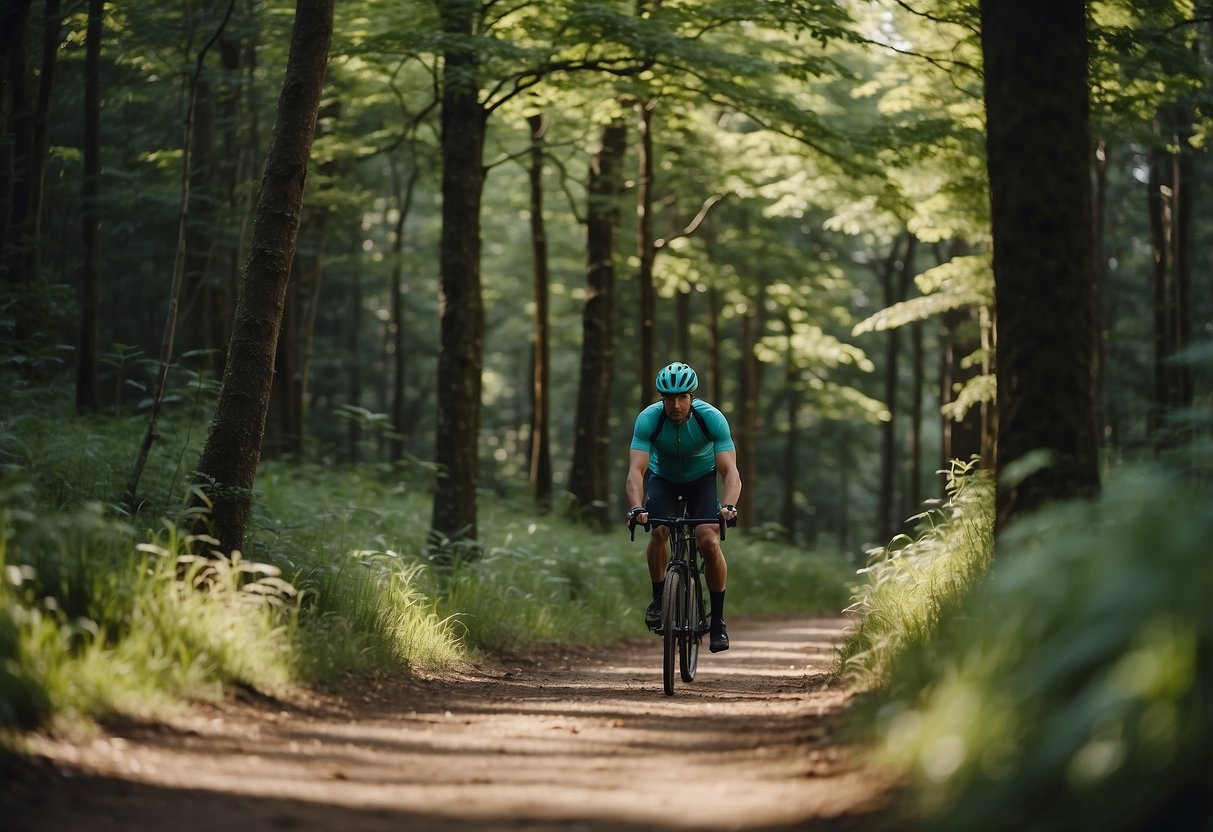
(802, 212)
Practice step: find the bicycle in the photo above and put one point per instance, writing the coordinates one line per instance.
(683, 616)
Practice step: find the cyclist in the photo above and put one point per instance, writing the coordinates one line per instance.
(679, 444)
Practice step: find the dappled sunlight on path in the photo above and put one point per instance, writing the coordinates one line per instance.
(560, 738)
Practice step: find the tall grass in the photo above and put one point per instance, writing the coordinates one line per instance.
(912, 584)
(104, 613)
(1069, 686)
(92, 626)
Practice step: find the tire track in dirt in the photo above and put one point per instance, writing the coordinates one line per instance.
(556, 739)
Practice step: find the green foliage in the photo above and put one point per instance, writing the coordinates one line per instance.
(959, 283)
(1069, 687)
(548, 581)
(912, 583)
(100, 616)
(91, 625)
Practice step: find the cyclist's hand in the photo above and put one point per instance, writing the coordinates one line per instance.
(729, 513)
(638, 516)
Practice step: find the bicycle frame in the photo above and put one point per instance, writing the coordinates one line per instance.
(684, 619)
(684, 548)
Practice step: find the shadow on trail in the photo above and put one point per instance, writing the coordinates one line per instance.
(87, 803)
(559, 739)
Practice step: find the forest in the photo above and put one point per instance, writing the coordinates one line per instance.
(791, 197)
(389, 281)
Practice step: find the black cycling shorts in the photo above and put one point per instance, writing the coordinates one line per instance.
(664, 498)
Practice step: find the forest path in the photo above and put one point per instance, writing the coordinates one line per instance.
(558, 739)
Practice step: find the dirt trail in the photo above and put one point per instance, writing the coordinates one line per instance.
(562, 739)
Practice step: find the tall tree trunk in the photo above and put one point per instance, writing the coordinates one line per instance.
(1171, 185)
(461, 351)
(914, 446)
(960, 338)
(14, 15)
(714, 363)
(541, 451)
(179, 269)
(589, 480)
(229, 459)
(844, 491)
(713, 336)
(646, 254)
(52, 26)
(90, 215)
(215, 155)
(197, 289)
(791, 450)
(1185, 202)
(1160, 234)
(354, 437)
(279, 425)
(16, 140)
(682, 324)
(1038, 155)
(910, 492)
(403, 193)
(232, 168)
(1099, 264)
(892, 273)
(745, 437)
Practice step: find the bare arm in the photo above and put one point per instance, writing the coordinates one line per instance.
(638, 463)
(730, 476)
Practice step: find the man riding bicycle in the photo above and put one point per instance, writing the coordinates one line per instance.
(681, 443)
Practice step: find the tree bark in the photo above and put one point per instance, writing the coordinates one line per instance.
(1171, 185)
(682, 324)
(714, 362)
(52, 24)
(894, 277)
(229, 459)
(403, 193)
(1038, 156)
(960, 338)
(791, 450)
(16, 138)
(914, 443)
(231, 168)
(745, 436)
(90, 290)
(461, 351)
(646, 254)
(354, 334)
(541, 451)
(179, 273)
(1109, 433)
(589, 478)
(197, 290)
(1160, 236)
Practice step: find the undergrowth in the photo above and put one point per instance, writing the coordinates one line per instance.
(1066, 683)
(105, 613)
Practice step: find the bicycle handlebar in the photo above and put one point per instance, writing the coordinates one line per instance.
(671, 522)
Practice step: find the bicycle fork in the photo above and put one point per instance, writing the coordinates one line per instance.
(696, 577)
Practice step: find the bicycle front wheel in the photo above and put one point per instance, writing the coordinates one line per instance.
(673, 613)
(689, 635)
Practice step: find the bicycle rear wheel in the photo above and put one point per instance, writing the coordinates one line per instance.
(689, 635)
(673, 612)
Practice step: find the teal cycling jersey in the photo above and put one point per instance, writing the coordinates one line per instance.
(681, 453)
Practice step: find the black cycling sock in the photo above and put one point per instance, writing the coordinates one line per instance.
(658, 589)
(717, 604)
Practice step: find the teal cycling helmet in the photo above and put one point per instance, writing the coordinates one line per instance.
(677, 378)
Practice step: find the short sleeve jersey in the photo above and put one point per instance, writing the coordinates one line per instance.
(681, 453)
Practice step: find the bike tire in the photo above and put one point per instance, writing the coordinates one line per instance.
(689, 635)
(672, 614)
